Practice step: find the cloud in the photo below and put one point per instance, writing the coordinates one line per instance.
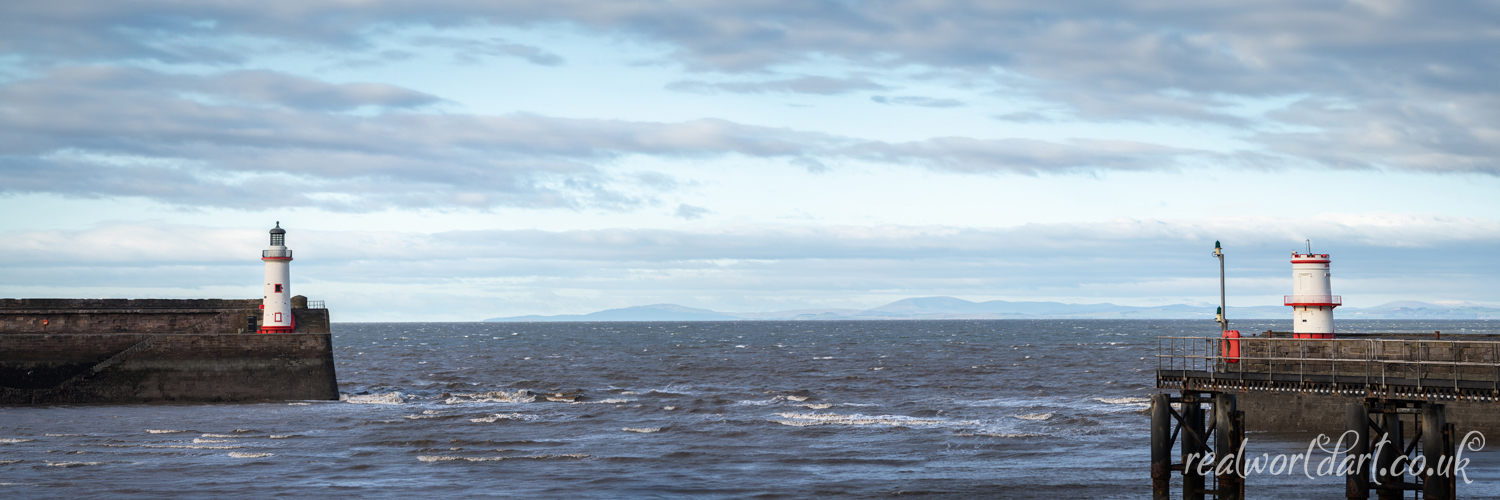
(467, 50)
(225, 140)
(727, 265)
(1025, 156)
(820, 85)
(912, 100)
(1417, 77)
(690, 212)
(1120, 238)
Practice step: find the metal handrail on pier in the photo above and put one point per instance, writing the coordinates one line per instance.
(1423, 369)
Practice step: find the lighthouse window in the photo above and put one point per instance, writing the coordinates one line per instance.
(278, 239)
(278, 288)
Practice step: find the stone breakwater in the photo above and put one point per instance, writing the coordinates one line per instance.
(90, 316)
(143, 368)
(158, 350)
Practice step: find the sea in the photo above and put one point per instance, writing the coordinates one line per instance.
(1052, 409)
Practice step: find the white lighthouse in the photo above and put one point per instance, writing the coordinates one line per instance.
(1312, 297)
(277, 303)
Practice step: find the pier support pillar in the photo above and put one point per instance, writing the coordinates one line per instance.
(1385, 458)
(1161, 447)
(1193, 449)
(1229, 432)
(1357, 480)
(1436, 482)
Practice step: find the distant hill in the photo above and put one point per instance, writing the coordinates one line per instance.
(654, 312)
(955, 308)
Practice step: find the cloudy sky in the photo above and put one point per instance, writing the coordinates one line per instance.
(458, 160)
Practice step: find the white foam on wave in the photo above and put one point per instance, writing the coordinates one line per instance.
(436, 458)
(190, 446)
(820, 406)
(389, 398)
(998, 434)
(73, 464)
(298, 404)
(281, 436)
(65, 435)
(237, 454)
(610, 401)
(15, 440)
(503, 416)
(516, 396)
(221, 436)
(814, 419)
(643, 430)
(1124, 401)
(1034, 416)
(201, 441)
(8, 462)
(163, 431)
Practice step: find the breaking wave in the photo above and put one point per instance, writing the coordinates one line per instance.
(516, 396)
(503, 416)
(814, 419)
(389, 398)
(434, 458)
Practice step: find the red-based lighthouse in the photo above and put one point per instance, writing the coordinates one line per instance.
(277, 303)
(1312, 298)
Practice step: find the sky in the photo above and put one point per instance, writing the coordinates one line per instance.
(445, 160)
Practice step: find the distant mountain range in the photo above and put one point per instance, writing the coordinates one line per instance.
(953, 308)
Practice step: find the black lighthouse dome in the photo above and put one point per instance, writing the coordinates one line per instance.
(278, 235)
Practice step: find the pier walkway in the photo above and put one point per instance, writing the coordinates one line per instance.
(1387, 368)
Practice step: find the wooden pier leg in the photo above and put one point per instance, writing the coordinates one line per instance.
(1227, 438)
(1357, 419)
(1434, 422)
(1161, 447)
(1192, 445)
(1386, 456)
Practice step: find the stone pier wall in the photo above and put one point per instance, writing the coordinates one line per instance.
(1325, 413)
(159, 350)
(91, 316)
(145, 367)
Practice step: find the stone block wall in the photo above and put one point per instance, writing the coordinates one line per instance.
(53, 368)
(92, 316)
(1325, 413)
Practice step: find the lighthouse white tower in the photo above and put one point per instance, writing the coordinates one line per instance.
(1312, 298)
(278, 293)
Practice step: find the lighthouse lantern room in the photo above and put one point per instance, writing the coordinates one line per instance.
(277, 304)
(1312, 298)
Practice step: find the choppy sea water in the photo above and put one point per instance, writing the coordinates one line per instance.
(871, 409)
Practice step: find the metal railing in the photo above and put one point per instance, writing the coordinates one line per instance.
(315, 304)
(286, 254)
(1430, 368)
(1313, 300)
